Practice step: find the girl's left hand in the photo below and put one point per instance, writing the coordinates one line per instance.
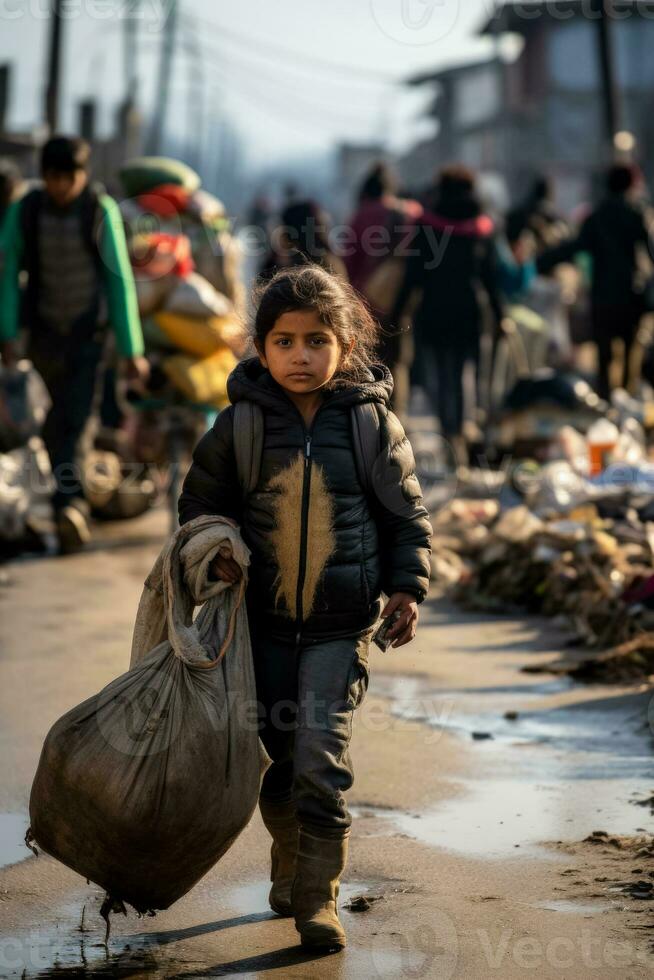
(404, 630)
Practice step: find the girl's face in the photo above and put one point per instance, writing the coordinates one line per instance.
(301, 353)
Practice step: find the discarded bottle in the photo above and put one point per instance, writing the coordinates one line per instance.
(602, 439)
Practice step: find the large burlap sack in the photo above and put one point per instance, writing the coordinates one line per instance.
(142, 788)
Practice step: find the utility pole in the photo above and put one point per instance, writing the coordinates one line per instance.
(54, 67)
(5, 81)
(129, 120)
(608, 80)
(168, 42)
(195, 121)
(130, 51)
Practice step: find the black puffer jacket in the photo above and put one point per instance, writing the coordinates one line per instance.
(322, 552)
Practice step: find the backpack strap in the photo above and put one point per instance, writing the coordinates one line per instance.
(30, 209)
(248, 432)
(248, 429)
(366, 441)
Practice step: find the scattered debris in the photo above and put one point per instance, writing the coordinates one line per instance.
(362, 903)
(642, 890)
(590, 566)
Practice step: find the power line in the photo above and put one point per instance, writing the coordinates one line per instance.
(234, 76)
(266, 50)
(290, 105)
(289, 102)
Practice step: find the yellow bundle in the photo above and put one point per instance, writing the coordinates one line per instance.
(202, 381)
(201, 336)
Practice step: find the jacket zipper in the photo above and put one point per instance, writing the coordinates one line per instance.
(304, 525)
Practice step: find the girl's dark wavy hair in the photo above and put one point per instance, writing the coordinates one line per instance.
(310, 287)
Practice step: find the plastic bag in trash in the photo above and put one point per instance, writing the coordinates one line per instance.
(26, 486)
(559, 489)
(24, 405)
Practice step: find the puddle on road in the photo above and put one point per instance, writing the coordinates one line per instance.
(602, 740)
(12, 838)
(504, 818)
(575, 908)
(253, 896)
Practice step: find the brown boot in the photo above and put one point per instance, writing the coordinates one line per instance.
(282, 825)
(320, 864)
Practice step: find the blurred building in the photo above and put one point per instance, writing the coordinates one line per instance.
(543, 109)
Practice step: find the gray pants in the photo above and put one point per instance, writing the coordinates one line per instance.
(307, 697)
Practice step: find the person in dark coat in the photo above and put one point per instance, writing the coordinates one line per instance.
(538, 216)
(378, 227)
(300, 239)
(613, 235)
(327, 538)
(452, 260)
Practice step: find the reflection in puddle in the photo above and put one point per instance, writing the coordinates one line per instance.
(193, 950)
(500, 817)
(12, 838)
(606, 739)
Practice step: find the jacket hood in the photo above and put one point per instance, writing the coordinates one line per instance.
(251, 381)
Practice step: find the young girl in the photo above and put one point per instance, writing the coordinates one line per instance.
(323, 550)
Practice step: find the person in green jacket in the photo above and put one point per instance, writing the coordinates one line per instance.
(68, 237)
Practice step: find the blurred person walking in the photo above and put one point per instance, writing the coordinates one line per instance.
(69, 238)
(616, 236)
(378, 227)
(453, 261)
(10, 186)
(538, 215)
(302, 239)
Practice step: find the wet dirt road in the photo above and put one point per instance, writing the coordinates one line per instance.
(476, 786)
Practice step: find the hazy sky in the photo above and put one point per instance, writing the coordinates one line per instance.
(293, 75)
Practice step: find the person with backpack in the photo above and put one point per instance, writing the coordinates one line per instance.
(68, 237)
(318, 473)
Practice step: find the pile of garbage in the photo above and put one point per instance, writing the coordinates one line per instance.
(26, 480)
(572, 539)
(185, 267)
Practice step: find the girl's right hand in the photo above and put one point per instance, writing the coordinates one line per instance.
(226, 570)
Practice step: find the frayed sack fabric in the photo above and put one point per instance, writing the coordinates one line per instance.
(142, 788)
